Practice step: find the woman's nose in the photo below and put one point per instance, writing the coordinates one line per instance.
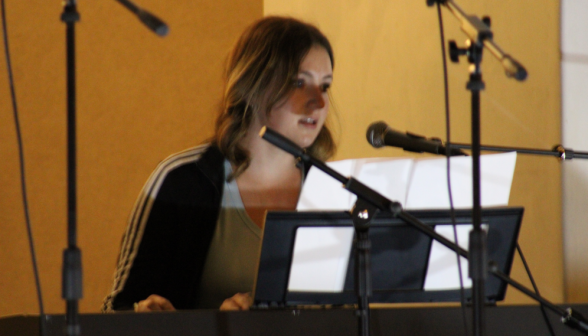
(316, 99)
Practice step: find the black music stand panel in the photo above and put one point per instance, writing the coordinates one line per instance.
(399, 256)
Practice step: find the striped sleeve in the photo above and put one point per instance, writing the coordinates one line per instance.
(140, 215)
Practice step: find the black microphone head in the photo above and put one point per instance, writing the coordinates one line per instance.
(375, 134)
(153, 22)
(513, 68)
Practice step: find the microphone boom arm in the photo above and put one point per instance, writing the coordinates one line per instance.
(558, 150)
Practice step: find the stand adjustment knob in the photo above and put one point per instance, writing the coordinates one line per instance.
(455, 52)
(487, 21)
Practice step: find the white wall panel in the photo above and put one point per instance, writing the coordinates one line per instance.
(574, 67)
(574, 27)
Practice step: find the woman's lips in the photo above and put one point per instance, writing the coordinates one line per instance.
(308, 122)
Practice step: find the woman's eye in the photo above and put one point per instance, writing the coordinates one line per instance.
(325, 87)
(299, 83)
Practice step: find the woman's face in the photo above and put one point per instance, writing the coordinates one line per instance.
(301, 116)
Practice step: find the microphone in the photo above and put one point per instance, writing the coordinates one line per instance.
(379, 135)
(514, 68)
(151, 21)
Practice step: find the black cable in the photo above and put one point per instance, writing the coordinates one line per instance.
(543, 312)
(448, 157)
(22, 172)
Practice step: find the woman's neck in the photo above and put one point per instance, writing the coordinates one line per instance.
(268, 163)
(271, 182)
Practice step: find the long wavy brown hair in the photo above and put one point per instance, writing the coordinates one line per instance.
(259, 74)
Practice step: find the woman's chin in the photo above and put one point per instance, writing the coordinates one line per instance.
(306, 142)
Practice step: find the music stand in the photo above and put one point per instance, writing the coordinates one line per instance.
(400, 257)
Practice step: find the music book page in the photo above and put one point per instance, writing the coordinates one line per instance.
(415, 183)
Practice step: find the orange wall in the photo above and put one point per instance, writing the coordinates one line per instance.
(140, 98)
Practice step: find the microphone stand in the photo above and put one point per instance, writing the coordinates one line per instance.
(362, 214)
(374, 200)
(72, 257)
(71, 289)
(480, 36)
(477, 244)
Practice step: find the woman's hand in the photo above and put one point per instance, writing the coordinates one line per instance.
(239, 301)
(154, 303)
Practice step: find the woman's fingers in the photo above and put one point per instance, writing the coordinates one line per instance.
(239, 301)
(154, 303)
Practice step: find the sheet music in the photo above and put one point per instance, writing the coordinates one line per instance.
(442, 270)
(428, 186)
(320, 259)
(415, 183)
(322, 192)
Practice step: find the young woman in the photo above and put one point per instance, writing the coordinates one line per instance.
(195, 232)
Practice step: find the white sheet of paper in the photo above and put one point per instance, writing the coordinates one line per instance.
(320, 259)
(416, 184)
(442, 272)
(428, 187)
(322, 192)
(389, 177)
